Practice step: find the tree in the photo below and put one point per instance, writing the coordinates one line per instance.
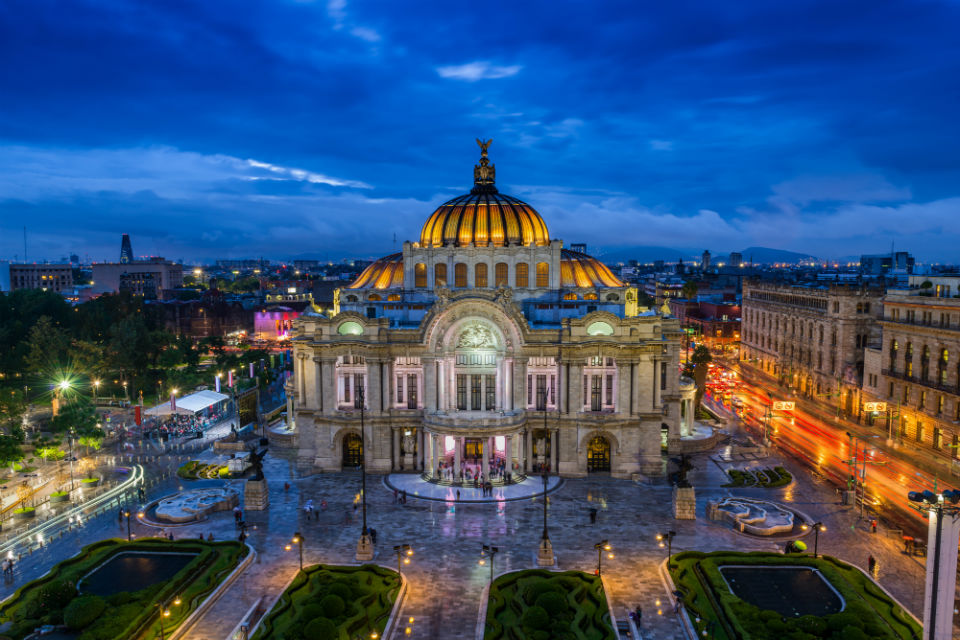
(700, 359)
(78, 415)
(12, 410)
(47, 347)
(689, 290)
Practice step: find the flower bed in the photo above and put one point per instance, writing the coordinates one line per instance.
(548, 605)
(334, 603)
(194, 469)
(868, 611)
(54, 598)
(764, 478)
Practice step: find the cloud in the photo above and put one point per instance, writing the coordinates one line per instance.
(365, 33)
(661, 145)
(337, 10)
(862, 188)
(480, 70)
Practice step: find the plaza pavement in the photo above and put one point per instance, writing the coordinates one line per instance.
(445, 579)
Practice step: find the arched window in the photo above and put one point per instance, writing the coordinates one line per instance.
(394, 297)
(440, 275)
(543, 275)
(480, 274)
(420, 275)
(500, 275)
(460, 275)
(374, 297)
(569, 296)
(612, 297)
(522, 275)
(589, 296)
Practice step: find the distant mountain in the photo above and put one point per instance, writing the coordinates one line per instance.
(766, 255)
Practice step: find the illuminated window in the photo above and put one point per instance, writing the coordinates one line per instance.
(460, 275)
(394, 297)
(374, 297)
(569, 296)
(480, 275)
(589, 296)
(543, 274)
(500, 275)
(440, 275)
(420, 275)
(350, 329)
(523, 275)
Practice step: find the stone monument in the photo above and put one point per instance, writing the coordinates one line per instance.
(255, 495)
(545, 557)
(684, 496)
(364, 548)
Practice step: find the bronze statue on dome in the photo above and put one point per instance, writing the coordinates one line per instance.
(484, 146)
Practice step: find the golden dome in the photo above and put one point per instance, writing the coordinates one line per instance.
(385, 273)
(484, 216)
(580, 270)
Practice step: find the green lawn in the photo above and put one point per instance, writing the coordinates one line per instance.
(334, 603)
(869, 613)
(547, 605)
(54, 599)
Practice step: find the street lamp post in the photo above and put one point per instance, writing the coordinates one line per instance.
(96, 387)
(165, 613)
(603, 545)
(817, 528)
(365, 545)
(488, 550)
(545, 550)
(297, 540)
(668, 539)
(403, 551)
(126, 513)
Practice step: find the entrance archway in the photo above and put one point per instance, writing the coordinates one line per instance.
(352, 450)
(598, 454)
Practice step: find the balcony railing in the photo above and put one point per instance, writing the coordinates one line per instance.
(948, 388)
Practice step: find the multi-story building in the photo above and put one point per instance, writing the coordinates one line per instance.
(49, 277)
(916, 371)
(487, 340)
(811, 337)
(736, 259)
(147, 278)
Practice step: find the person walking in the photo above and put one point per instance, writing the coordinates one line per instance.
(871, 565)
(458, 495)
(873, 525)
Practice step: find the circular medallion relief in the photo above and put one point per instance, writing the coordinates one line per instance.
(350, 328)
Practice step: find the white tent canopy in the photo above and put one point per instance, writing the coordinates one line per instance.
(189, 405)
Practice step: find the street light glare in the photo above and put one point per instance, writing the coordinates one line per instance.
(64, 384)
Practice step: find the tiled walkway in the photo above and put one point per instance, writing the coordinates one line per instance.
(446, 580)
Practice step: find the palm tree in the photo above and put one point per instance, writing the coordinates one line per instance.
(700, 359)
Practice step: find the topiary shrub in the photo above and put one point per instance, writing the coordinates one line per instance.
(552, 602)
(343, 590)
(332, 606)
(311, 611)
(814, 625)
(535, 618)
(536, 588)
(82, 611)
(56, 594)
(320, 628)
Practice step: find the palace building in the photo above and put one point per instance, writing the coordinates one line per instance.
(485, 342)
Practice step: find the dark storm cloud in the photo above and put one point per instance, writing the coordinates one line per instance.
(279, 128)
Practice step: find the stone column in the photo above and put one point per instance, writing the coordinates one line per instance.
(374, 386)
(561, 387)
(442, 401)
(329, 384)
(576, 386)
(298, 375)
(429, 383)
(421, 448)
(291, 420)
(519, 383)
(554, 441)
(499, 384)
(485, 458)
(528, 451)
(458, 445)
(395, 465)
(508, 452)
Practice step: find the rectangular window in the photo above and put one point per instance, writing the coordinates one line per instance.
(400, 389)
(420, 275)
(585, 382)
(475, 388)
(596, 384)
(412, 391)
(954, 445)
(357, 389)
(490, 393)
(919, 431)
(346, 389)
(609, 394)
(500, 275)
(937, 438)
(541, 396)
(480, 275)
(460, 275)
(553, 390)
(543, 275)
(523, 275)
(663, 376)
(529, 390)
(440, 275)
(461, 392)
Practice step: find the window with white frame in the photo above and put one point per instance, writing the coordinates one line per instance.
(599, 384)
(351, 381)
(542, 384)
(407, 383)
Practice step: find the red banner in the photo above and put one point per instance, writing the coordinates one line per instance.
(136, 415)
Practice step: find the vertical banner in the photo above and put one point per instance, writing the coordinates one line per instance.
(136, 415)
(173, 403)
(230, 378)
(216, 380)
(251, 369)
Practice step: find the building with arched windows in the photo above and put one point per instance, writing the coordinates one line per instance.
(486, 343)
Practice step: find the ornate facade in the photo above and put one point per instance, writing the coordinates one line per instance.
(488, 343)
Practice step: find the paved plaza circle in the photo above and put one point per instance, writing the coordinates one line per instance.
(417, 487)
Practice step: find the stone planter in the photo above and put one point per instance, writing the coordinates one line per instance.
(90, 482)
(60, 497)
(25, 514)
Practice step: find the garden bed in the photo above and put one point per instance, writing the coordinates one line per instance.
(868, 611)
(334, 603)
(193, 470)
(762, 478)
(54, 598)
(546, 605)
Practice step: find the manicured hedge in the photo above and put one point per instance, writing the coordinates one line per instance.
(546, 605)
(869, 613)
(194, 469)
(49, 600)
(765, 478)
(353, 601)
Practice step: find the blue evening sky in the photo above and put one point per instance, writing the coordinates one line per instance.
(324, 129)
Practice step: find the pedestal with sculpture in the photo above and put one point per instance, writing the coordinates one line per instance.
(684, 495)
(256, 496)
(545, 557)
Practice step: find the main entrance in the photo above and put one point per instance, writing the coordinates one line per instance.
(352, 450)
(598, 454)
(473, 449)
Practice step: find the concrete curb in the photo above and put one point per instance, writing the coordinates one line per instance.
(213, 597)
(669, 587)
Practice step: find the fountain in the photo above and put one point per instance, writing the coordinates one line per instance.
(193, 505)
